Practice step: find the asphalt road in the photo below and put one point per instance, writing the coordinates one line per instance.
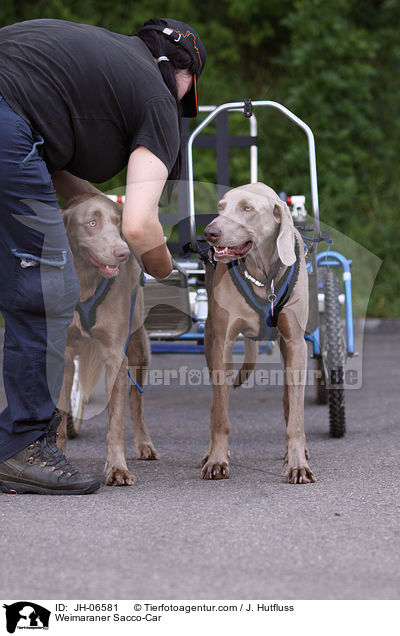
(174, 536)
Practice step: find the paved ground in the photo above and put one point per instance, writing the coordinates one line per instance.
(174, 536)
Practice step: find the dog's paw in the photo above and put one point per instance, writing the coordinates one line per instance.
(300, 475)
(146, 451)
(119, 477)
(214, 469)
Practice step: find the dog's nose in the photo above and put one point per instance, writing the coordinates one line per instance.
(121, 252)
(212, 233)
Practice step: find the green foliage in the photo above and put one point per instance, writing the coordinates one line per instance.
(340, 63)
(331, 85)
(336, 65)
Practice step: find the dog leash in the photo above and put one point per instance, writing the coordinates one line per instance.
(206, 253)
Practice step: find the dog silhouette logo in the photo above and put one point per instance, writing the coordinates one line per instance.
(26, 615)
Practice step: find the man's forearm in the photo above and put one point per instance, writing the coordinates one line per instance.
(146, 177)
(149, 246)
(157, 262)
(67, 185)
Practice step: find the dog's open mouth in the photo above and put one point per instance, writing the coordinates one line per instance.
(108, 271)
(232, 252)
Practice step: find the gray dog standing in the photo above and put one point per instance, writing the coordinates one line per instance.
(258, 249)
(101, 329)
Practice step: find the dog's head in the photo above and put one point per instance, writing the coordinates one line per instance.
(251, 217)
(93, 225)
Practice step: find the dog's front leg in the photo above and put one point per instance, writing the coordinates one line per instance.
(208, 330)
(139, 358)
(64, 402)
(294, 349)
(216, 462)
(117, 473)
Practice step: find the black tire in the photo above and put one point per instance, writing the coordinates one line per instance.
(332, 342)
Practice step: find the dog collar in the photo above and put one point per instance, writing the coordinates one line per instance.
(258, 283)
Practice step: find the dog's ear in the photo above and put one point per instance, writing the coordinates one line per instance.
(119, 207)
(285, 241)
(68, 210)
(66, 213)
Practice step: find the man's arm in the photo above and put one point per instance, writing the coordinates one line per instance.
(141, 227)
(67, 185)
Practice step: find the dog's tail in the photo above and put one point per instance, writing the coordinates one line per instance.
(249, 362)
(90, 367)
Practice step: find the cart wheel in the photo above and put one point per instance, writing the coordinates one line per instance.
(333, 354)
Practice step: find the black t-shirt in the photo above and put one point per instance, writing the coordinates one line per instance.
(93, 95)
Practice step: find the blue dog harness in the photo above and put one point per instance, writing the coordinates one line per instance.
(87, 308)
(268, 309)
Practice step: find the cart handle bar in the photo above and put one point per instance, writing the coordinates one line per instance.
(242, 106)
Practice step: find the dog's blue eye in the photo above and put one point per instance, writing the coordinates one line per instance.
(92, 223)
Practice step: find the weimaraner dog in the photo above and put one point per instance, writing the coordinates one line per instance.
(255, 233)
(109, 276)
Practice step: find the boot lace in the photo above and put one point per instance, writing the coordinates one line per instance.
(47, 451)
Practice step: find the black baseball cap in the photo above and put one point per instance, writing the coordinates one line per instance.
(189, 39)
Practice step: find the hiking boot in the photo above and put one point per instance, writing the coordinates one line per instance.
(42, 468)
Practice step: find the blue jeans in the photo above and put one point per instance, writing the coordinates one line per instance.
(38, 285)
